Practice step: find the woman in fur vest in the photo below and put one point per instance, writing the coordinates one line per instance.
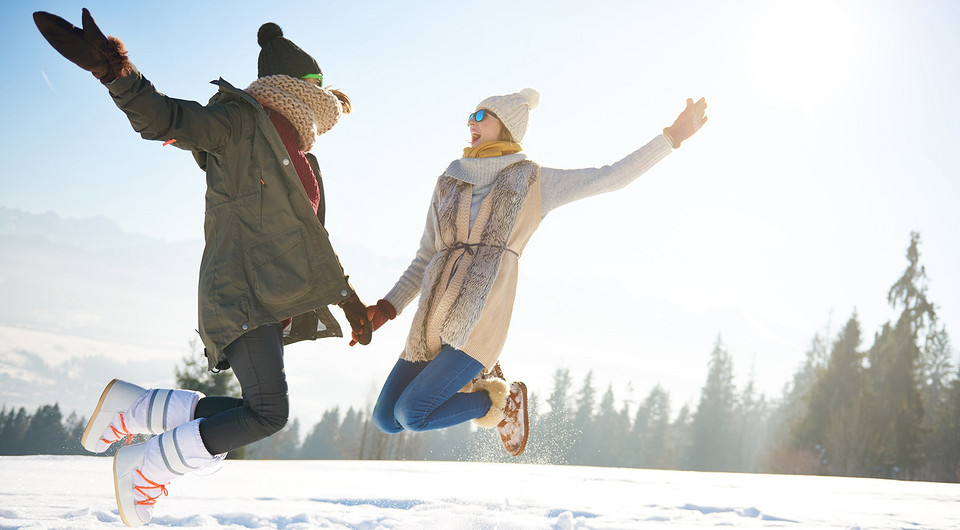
(268, 270)
(485, 208)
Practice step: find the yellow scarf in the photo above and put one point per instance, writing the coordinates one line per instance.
(491, 149)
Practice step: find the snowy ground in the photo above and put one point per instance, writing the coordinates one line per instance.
(77, 492)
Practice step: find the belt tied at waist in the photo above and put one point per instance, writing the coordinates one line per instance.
(469, 248)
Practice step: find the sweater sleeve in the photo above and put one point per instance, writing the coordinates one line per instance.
(408, 286)
(563, 186)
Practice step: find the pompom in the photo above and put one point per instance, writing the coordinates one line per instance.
(532, 96)
(268, 32)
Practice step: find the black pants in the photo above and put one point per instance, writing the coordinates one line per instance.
(257, 361)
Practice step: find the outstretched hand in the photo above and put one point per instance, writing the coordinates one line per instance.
(688, 122)
(105, 57)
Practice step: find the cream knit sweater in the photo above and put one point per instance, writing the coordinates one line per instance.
(557, 187)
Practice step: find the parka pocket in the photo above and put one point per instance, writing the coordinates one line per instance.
(281, 269)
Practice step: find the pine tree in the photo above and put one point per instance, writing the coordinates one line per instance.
(680, 440)
(910, 291)
(15, 430)
(785, 454)
(584, 436)
(838, 424)
(941, 401)
(3, 423)
(554, 445)
(895, 373)
(943, 462)
(47, 434)
(284, 445)
(323, 442)
(74, 426)
(937, 367)
(194, 374)
(714, 446)
(650, 432)
(751, 414)
(352, 440)
(612, 426)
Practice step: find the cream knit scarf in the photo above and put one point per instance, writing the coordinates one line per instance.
(311, 109)
(509, 194)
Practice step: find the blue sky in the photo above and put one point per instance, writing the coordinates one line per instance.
(832, 135)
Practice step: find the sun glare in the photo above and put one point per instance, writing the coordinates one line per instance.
(802, 51)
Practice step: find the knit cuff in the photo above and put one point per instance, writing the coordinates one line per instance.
(669, 138)
(399, 297)
(387, 309)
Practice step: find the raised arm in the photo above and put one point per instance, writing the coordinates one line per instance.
(563, 186)
(152, 114)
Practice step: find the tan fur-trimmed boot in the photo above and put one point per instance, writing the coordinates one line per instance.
(508, 409)
(498, 391)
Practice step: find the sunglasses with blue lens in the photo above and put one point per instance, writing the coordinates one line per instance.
(480, 115)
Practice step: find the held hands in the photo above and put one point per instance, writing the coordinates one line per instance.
(356, 315)
(88, 48)
(378, 315)
(688, 122)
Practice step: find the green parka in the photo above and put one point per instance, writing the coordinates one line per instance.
(267, 256)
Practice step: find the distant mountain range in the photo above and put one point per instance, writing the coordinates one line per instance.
(82, 301)
(43, 368)
(96, 233)
(89, 278)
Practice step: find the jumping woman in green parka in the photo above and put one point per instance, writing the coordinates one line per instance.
(268, 270)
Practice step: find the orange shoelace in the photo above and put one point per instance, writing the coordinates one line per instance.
(149, 501)
(121, 433)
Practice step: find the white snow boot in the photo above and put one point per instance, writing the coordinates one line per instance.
(141, 472)
(126, 409)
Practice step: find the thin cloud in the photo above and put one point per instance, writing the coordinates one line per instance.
(47, 79)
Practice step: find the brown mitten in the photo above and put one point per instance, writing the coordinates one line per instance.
(88, 48)
(356, 314)
(378, 315)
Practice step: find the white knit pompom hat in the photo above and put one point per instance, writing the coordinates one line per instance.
(513, 110)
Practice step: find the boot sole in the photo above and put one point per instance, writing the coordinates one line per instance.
(116, 397)
(526, 421)
(526, 424)
(125, 462)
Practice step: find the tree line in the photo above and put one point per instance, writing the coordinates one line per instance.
(887, 410)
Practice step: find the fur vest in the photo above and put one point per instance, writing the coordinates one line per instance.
(458, 281)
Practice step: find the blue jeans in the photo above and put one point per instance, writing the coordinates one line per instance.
(421, 396)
